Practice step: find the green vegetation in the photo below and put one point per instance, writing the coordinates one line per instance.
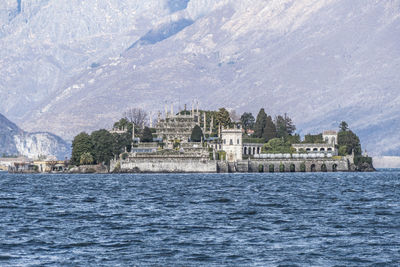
(358, 160)
(260, 168)
(284, 126)
(282, 167)
(221, 155)
(303, 167)
(86, 159)
(271, 168)
(81, 144)
(223, 117)
(348, 141)
(147, 136)
(277, 145)
(253, 140)
(247, 120)
(197, 134)
(292, 168)
(313, 139)
(264, 127)
(102, 141)
(324, 168)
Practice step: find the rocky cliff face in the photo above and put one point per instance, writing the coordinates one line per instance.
(322, 61)
(14, 141)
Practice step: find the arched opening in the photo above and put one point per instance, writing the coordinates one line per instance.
(271, 168)
(292, 168)
(260, 168)
(322, 149)
(258, 150)
(254, 150)
(308, 149)
(245, 151)
(303, 167)
(282, 167)
(313, 169)
(315, 149)
(324, 168)
(334, 168)
(329, 149)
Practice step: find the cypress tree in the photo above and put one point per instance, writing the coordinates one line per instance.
(197, 134)
(147, 136)
(269, 131)
(103, 143)
(260, 124)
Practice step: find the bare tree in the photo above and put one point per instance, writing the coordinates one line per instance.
(136, 115)
(233, 115)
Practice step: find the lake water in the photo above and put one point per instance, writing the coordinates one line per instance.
(300, 219)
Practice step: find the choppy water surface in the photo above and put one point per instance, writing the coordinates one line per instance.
(322, 219)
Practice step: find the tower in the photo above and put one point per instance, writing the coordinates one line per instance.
(232, 143)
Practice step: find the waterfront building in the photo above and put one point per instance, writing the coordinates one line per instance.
(232, 142)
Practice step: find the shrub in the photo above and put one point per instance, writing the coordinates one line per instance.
(303, 167)
(260, 168)
(271, 168)
(324, 168)
(282, 167)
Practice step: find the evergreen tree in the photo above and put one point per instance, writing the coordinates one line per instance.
(197, 134)
(260, 124)
(121, 142)
(247, 120)
(223, 117)
(343, 126)
(147, 136)
(284, 126)
(269, 131)
(350, 141)
(313, 139)
(103, 143)
(82, 143)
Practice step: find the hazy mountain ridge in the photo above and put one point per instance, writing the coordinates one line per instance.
(14, 141)
(321, 61)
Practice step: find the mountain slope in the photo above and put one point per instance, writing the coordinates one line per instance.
(14, 141)
(322, 61)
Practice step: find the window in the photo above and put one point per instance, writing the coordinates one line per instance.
(231, 142)
(224, 141)
(238, 142)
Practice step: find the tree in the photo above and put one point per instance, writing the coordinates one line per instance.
(136, 115)
(343, 126)
(197, 134)
(277, 145)
(233, 115)
(313, 139)
(147, 136)
(86, 159)
(121, 142)
(349, 140)
(269, 131)
(123, 124)
(82, 143)
(223, 117)
(284, 125)
(247, 119)
(102, 146)
(260, 124)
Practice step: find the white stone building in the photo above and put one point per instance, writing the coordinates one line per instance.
(232, 143)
